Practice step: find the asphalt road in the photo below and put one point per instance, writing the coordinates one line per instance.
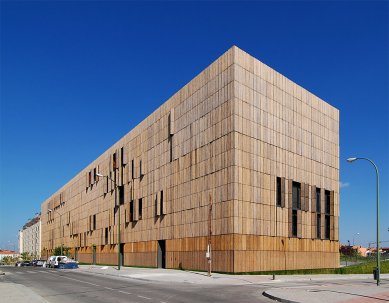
(66, 286)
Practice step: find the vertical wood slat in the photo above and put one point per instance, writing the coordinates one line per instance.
(119, 158)
(158, 204)
(171, 122)
(299, 223)
(86, 180)
(163, 202)
(105, 179)
(302, 196)
(129, 171)
(125, 155)
(136, 210)
(127, 212)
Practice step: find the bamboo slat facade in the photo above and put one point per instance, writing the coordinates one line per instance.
(265, 150)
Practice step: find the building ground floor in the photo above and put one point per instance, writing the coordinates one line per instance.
(230, 253)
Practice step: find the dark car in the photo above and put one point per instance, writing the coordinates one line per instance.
(26, 263)
(33, 262)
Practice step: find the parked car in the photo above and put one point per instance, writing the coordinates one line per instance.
(18, 264)
(26, 263)
(40, 263)
(56, 260)
(68, 265)
(33, 262)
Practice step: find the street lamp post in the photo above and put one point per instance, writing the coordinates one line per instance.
(119, 240)
(60, 226)
(378, 214)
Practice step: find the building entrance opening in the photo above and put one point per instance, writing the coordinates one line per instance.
(122, 254)
(161, 256)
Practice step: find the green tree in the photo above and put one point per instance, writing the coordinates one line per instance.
(26, 256)
(8, 260)
(61, 251)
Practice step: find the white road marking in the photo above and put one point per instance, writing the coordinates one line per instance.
(147, 298)
(109, 288)
(31, 272)
(81, 281)
(124, 292)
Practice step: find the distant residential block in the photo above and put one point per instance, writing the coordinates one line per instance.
(30, 237)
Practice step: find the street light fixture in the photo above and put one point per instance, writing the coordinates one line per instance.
(119, 240)
(350, 160)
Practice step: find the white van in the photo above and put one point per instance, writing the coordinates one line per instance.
(50, 260)
(54, 260)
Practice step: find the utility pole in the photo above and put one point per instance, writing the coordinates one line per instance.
(209, 250)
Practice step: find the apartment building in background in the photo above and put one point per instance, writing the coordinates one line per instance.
(241, 156)
(30, 237)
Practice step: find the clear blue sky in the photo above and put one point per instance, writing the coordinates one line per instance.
(77, 76)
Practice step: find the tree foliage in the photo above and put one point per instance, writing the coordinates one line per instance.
(26, 256)
(61, 251)
(8, 260)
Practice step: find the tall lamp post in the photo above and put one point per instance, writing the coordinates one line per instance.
(350, 160)
(60, 226)
(119, 241)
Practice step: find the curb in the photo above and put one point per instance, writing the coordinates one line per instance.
(265, 294)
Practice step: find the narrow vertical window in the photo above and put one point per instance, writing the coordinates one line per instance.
(279, 194)
(294, 223)
(94, 222)
(132, 169)
(106, 235)
(296, 204)
(318, 211)
(121, 194)
(318, 226)
(140, 208)
(131, 211)
(327, 219)
(114, 161)
(318, 201)
(296, 195)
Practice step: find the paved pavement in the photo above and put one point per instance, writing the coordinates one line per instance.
(173, 285)
(325, 288)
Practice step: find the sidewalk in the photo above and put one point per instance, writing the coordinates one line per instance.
(330, 292)
(17, 293)
(316, 289)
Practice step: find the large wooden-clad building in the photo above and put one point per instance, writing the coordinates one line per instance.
(240, 136)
